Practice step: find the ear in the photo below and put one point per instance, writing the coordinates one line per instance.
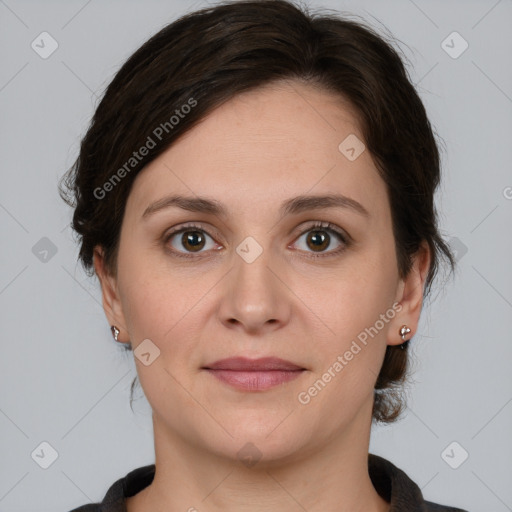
(410, 297)
(110, 294)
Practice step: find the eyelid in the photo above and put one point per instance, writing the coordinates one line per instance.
(328, 226)
(191, 226)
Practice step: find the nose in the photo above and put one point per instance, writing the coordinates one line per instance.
(255, 297)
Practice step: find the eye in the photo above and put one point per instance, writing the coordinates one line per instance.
(193, 239)
(319, 238)
(189, 240)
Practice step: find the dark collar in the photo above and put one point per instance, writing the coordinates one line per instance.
(390, 482)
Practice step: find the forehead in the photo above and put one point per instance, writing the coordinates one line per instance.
(264, 146)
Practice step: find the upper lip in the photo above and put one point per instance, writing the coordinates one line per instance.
(246, 364)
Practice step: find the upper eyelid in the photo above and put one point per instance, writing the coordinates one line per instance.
(189, 227)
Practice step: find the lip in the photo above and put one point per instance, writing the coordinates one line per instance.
(254, 374)
(244, 364)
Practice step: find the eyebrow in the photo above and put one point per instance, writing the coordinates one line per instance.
(291, 206)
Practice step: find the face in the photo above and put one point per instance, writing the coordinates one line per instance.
(262, 274)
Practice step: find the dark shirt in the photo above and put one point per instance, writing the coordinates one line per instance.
(389, 481)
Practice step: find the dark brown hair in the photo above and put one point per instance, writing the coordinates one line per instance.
(204, 59)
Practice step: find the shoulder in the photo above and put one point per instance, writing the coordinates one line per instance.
(115, 498)
(395, 486)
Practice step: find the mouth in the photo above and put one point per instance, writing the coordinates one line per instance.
(254, 374)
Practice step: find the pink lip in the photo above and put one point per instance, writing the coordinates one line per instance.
(252, 365)
(254, 374)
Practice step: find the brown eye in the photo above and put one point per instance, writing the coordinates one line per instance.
(193, 240)
(318, 240)
(189, 240)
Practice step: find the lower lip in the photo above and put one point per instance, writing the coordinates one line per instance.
(253, 380)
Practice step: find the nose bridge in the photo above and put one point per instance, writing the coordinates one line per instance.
(254, 297)
(252, 277)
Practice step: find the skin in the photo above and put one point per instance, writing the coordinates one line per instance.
(251, 154)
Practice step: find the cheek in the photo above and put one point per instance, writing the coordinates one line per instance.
(356, 307)
(350, 353)
(160, 309)
(163, 303)
(354, 297)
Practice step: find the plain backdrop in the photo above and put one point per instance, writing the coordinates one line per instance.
(63, 380)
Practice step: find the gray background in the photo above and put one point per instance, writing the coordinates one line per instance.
(64, 381)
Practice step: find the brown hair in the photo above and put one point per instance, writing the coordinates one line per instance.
(205, 58)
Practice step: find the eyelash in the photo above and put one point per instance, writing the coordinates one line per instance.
(316, 226)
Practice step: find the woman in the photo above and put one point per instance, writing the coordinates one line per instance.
(256, 196)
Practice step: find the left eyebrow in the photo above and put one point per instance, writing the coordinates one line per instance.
(305, 203)
(291, 206)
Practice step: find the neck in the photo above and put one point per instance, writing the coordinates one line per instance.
(330, 476)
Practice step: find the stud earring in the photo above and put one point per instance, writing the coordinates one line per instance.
(403, 331)
(115, 332)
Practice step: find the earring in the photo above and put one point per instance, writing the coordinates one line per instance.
(403, 331)
(115, 332)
